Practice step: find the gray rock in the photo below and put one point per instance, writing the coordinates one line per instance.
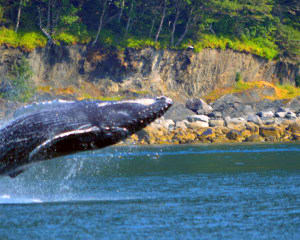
(234, 122)
(233, 134)
(265, 114)
(294, 105)
(283, 109)
(178, 112)
(268, 105)
(291, 115)
(215, 115)
(254, 119)
(216, 123)
(231, 105)
(168, 124)
(182, 124)
(280, 114)
(269, 121)
(198, 106)
(207, 132)
(201, 118)
(197, 124)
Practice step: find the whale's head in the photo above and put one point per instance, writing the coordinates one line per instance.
(130, 116)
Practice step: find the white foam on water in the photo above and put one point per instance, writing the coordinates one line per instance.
(7, 199)
(5, 196)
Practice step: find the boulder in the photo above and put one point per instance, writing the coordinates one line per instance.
(234, 135)
(283, 109)
(294, 127)
(207, 135)
(216, 122)
(197, 124)
(270, 132)
(184, 137)
(178, 112)
(215, 115)
(268, 105)
(201, 118)
(252, 127)
(291, 115)
(168, 124)
(254, 119)
(280, 114)
(230, 105)
(294, 104)
(235, 122)
(181, 124)
(296, 136)
(254, 138)
(265, 114)
(198, 106)
(269, 121)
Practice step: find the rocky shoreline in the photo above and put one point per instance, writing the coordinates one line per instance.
(230, 119)
(227, 120)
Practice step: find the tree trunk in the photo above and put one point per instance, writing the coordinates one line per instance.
(152, 26)
(51, 17)
(55, 15)
(50, 41)
(161, 21)
(129, 18)
(186, 29)
(48, 14)
(19, 15)
(100, 22)
(174, 24)
(211, 29)
(121, 11)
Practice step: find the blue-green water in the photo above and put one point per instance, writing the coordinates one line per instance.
(169, 192)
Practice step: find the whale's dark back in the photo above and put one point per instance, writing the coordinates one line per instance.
(47, 130)
(22, 135)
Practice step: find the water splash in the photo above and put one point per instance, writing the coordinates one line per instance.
(87, 176)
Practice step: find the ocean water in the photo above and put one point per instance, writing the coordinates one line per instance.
(163, 192)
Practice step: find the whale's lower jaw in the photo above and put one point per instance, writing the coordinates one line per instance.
(69, 127)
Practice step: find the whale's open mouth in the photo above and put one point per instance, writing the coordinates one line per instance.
(141, 112)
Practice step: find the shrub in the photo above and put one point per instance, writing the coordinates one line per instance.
(66, 38)
(141, 43)
(19, 82)
(30, 40)
(9, 37)
(238, 77)
(297, 81)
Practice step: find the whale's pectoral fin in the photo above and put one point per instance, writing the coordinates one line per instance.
(16, 173)
(66, 143)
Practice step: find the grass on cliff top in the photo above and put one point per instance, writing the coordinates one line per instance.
(25, 40)
(281, 91)
(29, 40)
(258, 46)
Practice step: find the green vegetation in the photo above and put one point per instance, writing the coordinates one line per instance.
(266, 28)
(297, 81)
(238, 77)
(19, 86)
(25, 40)
(284, 91)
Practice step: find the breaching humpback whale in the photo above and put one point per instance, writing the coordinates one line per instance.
(51, 129)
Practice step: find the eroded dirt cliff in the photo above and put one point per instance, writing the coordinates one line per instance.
(178, 74)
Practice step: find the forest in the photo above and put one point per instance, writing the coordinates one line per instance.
(267, 28)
